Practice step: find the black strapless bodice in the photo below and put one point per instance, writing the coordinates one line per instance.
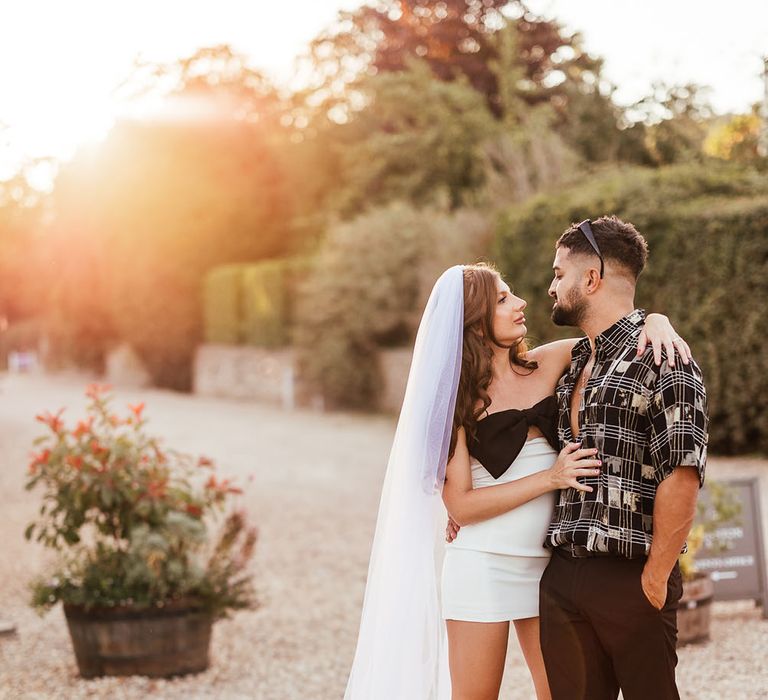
(501, 435)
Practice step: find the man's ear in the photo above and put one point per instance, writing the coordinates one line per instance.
(592, 280)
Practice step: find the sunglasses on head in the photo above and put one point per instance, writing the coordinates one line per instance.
(586, 228)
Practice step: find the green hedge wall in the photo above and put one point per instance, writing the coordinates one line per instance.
(707, 230)
(222, 291)
(252, 304)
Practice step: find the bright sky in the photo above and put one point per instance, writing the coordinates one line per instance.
(719, 44)
(60, 61)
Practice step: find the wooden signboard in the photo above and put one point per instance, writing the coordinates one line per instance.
(734, 554)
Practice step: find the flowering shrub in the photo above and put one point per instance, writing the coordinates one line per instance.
(128, 518)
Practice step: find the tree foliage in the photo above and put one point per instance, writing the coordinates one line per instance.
(367, 290)
(454, 38)
(736, 139)
(706, 227)
(160, 203)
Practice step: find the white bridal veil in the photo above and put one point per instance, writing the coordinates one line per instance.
(402, 649)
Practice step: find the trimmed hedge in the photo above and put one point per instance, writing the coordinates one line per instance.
(252, 304)
(222, 289)
(367, 290)
(707, 230)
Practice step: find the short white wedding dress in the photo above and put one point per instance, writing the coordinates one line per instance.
(491, 571)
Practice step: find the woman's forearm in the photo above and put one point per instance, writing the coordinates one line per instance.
(673, 511)
(478, 504)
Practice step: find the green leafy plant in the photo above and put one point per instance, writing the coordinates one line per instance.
(128, 518)
(367, 289)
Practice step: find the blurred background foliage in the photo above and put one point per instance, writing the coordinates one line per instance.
(706, 230)
(428, 133)
(253, 304)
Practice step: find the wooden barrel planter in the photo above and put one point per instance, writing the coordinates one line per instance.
(157, 642)
(695, 609)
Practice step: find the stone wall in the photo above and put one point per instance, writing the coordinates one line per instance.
(246, 372)
(124, 368)
(270, 376)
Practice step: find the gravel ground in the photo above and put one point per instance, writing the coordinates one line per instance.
(313, 485)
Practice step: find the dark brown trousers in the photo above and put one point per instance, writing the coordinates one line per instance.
(599, 633)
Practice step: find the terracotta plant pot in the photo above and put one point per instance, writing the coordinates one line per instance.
(694, 611)
(157, 642)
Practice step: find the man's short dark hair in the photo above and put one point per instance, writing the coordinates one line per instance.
(619, 241)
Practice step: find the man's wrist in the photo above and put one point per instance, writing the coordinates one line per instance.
(657, 571)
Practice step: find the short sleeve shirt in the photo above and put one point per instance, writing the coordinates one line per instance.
(645, 421)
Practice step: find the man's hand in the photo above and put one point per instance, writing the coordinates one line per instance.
(451, 530)
(654, 587)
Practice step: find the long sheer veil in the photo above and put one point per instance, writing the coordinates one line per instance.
(402, 646)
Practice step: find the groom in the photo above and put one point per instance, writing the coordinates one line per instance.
(608, 598)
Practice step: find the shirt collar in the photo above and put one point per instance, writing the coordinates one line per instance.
(613, 338)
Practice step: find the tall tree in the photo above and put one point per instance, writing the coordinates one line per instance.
(420, 139)
(455, 38)
(232, 87)
(675, 120)
(167, 197)
(736, 138)
(22, 261)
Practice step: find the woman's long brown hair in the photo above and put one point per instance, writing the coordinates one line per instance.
(480, 294)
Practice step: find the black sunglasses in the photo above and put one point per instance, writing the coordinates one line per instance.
(586, 228)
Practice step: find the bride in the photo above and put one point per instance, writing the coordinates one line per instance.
(497, 472)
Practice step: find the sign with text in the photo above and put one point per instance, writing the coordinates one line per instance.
(733, 554)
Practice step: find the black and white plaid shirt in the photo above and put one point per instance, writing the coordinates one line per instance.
(645, 421)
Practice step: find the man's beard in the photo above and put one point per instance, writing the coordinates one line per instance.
(573, 314)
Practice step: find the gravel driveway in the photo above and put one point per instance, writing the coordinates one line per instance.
(312, 487)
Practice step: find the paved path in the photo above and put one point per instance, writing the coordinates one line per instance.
(313, 491)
